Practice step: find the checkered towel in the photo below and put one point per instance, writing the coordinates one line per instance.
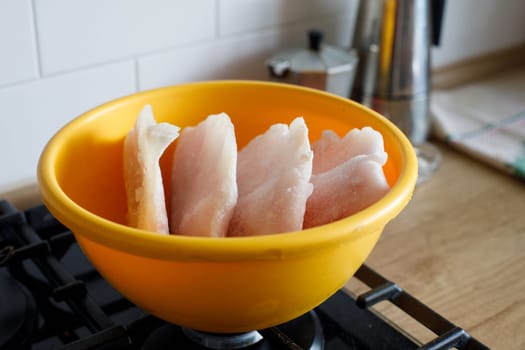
(485, 119)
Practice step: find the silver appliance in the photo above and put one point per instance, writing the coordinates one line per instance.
(318, 66)
(393, 40)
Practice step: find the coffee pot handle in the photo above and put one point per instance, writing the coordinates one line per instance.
(437, 10)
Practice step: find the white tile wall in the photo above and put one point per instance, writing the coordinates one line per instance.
(233, 57)
(18, 60)
(32, 113)
(59, 58)
(475, 27)
(240, 16)
(79, 33)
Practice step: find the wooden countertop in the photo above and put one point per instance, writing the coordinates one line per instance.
(459, 247)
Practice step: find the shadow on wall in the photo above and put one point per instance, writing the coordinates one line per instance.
(249, 63)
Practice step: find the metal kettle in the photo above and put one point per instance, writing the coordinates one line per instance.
(318, 66)
(393, 40)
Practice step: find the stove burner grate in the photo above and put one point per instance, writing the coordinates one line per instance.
(78, 310)
(18, 316)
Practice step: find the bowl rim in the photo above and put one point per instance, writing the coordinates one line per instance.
(87, 225)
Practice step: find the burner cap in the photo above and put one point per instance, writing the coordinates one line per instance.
(223, 341)
(18, 314)
(305, 331)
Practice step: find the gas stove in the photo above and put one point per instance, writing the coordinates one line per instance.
(52, 298)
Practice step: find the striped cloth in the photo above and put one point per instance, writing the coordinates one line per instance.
(485, 119)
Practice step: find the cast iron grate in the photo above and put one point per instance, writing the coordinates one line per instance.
(74, 315)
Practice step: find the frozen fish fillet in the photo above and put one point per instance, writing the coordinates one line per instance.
(203, 187)
(347, 175)
(273, 175)
(331, 150)
(143, 147)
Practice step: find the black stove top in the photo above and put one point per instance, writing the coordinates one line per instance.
(52, 298)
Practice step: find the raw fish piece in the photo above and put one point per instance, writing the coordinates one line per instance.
(204, 188)
(143, 148)
(273, 175)
(330, 150)
(347, 177)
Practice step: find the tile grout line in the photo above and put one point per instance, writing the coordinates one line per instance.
(38, 53)
(114, 60)
(66, 72)
(217, 19)
(136, 78)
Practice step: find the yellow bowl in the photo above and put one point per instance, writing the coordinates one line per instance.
(215, 285)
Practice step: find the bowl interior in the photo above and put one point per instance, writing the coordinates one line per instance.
(81, 169)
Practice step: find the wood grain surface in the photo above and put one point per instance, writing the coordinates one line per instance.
(459, 247)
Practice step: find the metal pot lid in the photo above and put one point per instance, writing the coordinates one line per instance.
(317, 58)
